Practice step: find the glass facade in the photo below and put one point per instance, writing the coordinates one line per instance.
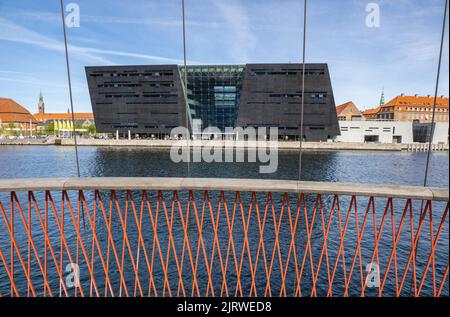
(214, 93)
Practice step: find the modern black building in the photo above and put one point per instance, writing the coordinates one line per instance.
(150, 99)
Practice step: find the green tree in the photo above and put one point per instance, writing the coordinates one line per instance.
(11, 127)
(50, 129)
(91, 129)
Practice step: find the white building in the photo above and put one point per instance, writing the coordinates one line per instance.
(386, 132)
(440, 133)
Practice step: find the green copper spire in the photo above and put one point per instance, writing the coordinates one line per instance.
(382, 97)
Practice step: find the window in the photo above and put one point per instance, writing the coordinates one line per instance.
(317, 128)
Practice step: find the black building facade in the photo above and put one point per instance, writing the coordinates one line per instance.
(150, 99)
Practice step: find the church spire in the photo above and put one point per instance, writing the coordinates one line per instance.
(41, 104)
(382, 97)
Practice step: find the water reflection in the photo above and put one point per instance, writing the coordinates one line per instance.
(334, 166)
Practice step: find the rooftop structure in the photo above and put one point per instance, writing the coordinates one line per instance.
(348, 112)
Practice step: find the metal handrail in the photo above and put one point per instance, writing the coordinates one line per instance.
(222, 184)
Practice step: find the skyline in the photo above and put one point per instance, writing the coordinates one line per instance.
(234, 32)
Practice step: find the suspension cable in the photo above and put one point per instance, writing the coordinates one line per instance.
(70, 88)
(71, 103)
(431, 130)
(185, 90)
(302, 94)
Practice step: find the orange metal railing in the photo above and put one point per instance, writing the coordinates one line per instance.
(108, 238)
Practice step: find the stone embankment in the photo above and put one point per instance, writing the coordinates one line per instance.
(285, 145)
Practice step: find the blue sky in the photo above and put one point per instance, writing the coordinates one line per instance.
(401, 55)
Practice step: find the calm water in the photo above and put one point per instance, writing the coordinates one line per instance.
(338, 166)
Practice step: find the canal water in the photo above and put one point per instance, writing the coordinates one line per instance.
(402, 168)
(335, 166)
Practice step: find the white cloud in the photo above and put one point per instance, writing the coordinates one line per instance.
(12, 32)
(242, 39)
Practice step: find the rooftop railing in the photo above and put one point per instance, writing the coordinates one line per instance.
(221, 237)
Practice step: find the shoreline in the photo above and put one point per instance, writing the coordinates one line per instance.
(282, 145)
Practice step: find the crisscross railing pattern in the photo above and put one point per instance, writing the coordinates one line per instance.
(207, 238)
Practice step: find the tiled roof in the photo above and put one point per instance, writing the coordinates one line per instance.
(63, 116)
(344, 106)
(372, 111)
(419, 101)
(11, 111)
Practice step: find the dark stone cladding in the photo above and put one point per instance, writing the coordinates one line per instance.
(142, 99)
(149, 99)
(271, 96)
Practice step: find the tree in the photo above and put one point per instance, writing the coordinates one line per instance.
(91, 129)
(50, 129)
(11, 127)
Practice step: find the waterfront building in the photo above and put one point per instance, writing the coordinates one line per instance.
(389, 131)
(151, 100)
(82, 119)
(411, 108)
(16, 118)
(348, 112)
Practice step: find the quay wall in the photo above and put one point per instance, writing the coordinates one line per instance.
(285, 145)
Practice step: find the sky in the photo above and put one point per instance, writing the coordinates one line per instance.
(400, 55)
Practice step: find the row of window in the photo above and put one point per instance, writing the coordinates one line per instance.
(313, 95)
(152, 112)
(160, 95)
(423, 109)
(212, 68)
(146, 74)
(370, 129)
(153, 103)
(263, 103)
(225, 89)
(308, 72)
(163, 113)
(421, 103)
(122, 96)
(280, 127)
(145, 95)
(160, 126)
(127, 85)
